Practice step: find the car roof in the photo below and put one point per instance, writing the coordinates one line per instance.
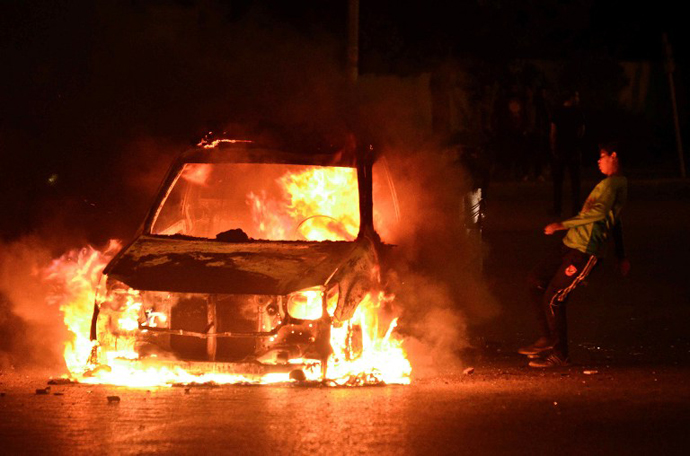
(247, 151)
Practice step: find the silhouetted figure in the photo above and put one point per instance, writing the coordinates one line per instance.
(567, 130)
(540, 138)
(511, 130)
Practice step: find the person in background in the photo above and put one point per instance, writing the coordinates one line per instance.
(542, 127)
(567, 130)
(516, 137)
(583, 247)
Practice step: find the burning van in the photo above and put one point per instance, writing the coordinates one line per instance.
(252, 260)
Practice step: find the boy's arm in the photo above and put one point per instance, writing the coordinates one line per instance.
(595, 209)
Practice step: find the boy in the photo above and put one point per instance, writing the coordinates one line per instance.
(559, 273)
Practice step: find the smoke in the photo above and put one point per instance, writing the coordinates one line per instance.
(437, 280)
(32, 334)
(437, 261)
(435, 324)
(144, 81)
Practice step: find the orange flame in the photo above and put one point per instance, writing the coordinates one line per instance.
(382, 358)
(75, 277)
(197, 173)
(365, 349)
(315, 206)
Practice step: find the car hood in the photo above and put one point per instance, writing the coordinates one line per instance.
(173, 264)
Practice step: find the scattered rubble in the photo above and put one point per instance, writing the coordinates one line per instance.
(196, 385)
(113, 399)
(61, 381)
(468, 371)
(298, 375)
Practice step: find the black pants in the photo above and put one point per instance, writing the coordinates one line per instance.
(559, 166)
(550, 283)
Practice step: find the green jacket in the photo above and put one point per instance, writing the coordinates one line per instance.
(589, 230)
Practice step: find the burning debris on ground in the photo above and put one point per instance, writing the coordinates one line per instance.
(61, 381)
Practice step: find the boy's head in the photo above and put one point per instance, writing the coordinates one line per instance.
(608, 159)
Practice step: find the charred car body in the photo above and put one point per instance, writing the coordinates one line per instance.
(230, 267)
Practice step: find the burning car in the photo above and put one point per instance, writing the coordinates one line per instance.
(252, 260)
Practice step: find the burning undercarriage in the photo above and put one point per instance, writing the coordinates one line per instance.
(253, 263)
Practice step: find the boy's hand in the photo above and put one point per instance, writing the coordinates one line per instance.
(553, 227)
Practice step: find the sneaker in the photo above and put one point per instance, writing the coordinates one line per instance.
(541, 345)
(553, 360)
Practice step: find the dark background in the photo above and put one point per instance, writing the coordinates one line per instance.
(97, 96)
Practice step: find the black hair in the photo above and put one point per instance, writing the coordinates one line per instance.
(609, 147)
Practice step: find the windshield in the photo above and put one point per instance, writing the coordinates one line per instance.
(236, 201)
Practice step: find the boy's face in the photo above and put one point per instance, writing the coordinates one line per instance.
(608, 163)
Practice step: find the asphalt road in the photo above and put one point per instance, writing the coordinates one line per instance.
(626, 393)
(495, 410)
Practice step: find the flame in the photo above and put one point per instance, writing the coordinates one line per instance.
(315, 206)
(213, 144)
(75, 277)
(365, 349)
(382, 358)
(196, 173)
(318, 191)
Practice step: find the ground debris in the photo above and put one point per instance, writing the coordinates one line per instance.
(41, 391)
(196, 385)
(359, 380)
(61, 381)
(298, 375)
(113, 399)
(590, 372)
(468, 371)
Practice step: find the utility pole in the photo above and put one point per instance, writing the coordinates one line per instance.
(670, 68)
(353, 41)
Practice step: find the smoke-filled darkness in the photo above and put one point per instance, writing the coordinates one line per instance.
(105, 94)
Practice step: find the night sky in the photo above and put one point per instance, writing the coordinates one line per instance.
(96, 95)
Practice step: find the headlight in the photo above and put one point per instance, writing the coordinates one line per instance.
(306, 304)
